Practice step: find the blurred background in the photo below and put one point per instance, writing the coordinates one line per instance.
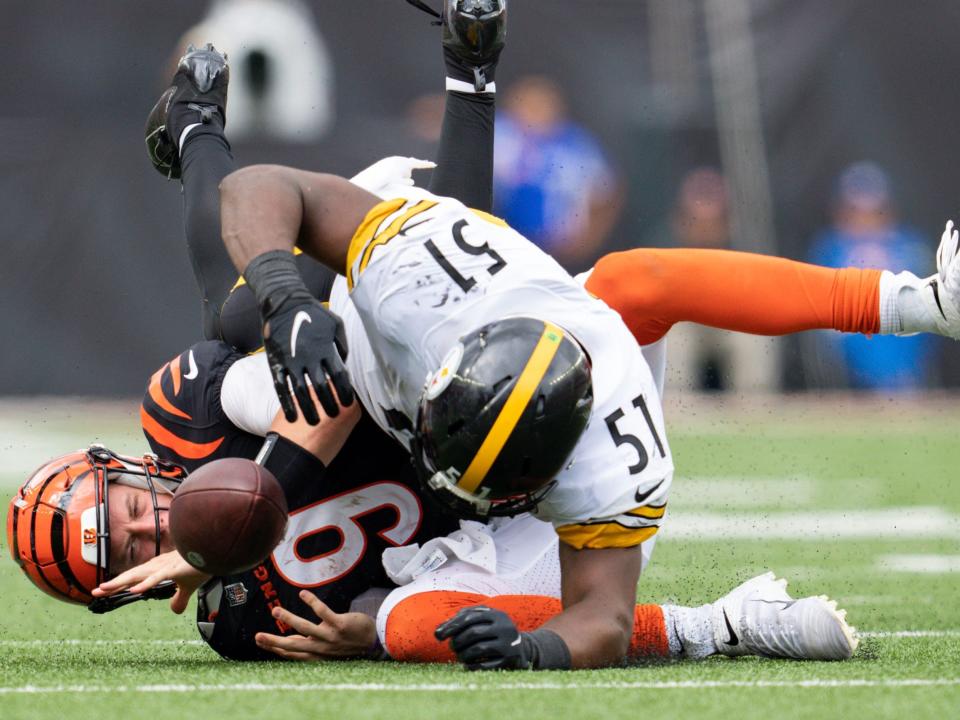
(817, 130)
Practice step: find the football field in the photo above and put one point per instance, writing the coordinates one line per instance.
(856, 499)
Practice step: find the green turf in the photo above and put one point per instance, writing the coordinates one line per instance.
(764, 461)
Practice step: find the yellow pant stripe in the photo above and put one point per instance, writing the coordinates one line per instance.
(366, 231)
(649, 511)
(604, 535)
(513, 408)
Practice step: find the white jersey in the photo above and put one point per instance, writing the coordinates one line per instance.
(424, 271)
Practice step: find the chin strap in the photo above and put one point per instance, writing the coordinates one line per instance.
(162, 591)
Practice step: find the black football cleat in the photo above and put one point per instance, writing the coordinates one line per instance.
(198, 95)
(474, 34)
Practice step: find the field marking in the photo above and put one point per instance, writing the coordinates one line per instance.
(909, 634)
(81, 641)
(200, 643)
(481, 687)
(895, 523)
(725, 491)
(931, 564)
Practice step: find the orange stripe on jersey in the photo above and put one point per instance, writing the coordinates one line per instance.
(604, 535)
(156, 394)
(183, 448)
(175, 374)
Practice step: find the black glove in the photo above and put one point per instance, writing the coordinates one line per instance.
(301, 340)
(487, 639)
(300, 336)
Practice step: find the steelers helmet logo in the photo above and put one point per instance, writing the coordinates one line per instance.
(441, 379)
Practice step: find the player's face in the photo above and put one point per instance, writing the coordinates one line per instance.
(133, 538)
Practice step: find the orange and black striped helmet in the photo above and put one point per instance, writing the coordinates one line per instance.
(58, 527)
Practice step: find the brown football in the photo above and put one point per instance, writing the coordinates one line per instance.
(228, 516)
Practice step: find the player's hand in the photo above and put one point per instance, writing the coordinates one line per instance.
(168, 566)
(301, 340)
(336, 635)
(395, 170)
(324, 440)
(486, 639)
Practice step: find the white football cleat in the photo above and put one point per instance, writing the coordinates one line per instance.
(760, 618)
(943, 298)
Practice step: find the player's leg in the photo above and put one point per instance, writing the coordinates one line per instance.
(520, 575)
(186, 140)
(653, 289)
(472, 42)
(773, 296)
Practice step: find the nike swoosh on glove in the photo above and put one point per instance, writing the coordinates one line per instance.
(302, 339)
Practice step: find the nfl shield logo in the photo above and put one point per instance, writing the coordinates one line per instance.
(236, 594)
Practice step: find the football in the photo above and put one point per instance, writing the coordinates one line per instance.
(228, 516)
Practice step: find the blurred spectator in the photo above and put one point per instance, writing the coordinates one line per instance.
(865, 233)
(702, 358)
(281, 75)
(552, 181)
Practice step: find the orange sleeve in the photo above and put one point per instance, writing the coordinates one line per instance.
(652, 289)
(410, 625)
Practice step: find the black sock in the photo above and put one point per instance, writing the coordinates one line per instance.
(465, 156)
(206, 159)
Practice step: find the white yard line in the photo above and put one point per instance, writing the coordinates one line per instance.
(896, 523)
(480, 687)
(196, 643)
(928, 564)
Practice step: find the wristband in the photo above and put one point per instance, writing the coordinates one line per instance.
(548, 650)
(289, 463)
(275, 279)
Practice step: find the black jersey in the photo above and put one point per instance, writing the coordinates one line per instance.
(367, 500)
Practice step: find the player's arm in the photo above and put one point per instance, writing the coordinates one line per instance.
(265, 211)
(599, 590)
(598, 586)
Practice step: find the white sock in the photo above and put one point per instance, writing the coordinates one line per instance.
(466, 87)
(905, 308)
(690, 631)
(184, 133)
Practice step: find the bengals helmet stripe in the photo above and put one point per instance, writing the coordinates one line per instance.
(38, 568)
(513, 408)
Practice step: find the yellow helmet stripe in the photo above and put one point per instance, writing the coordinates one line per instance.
(513, 408)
